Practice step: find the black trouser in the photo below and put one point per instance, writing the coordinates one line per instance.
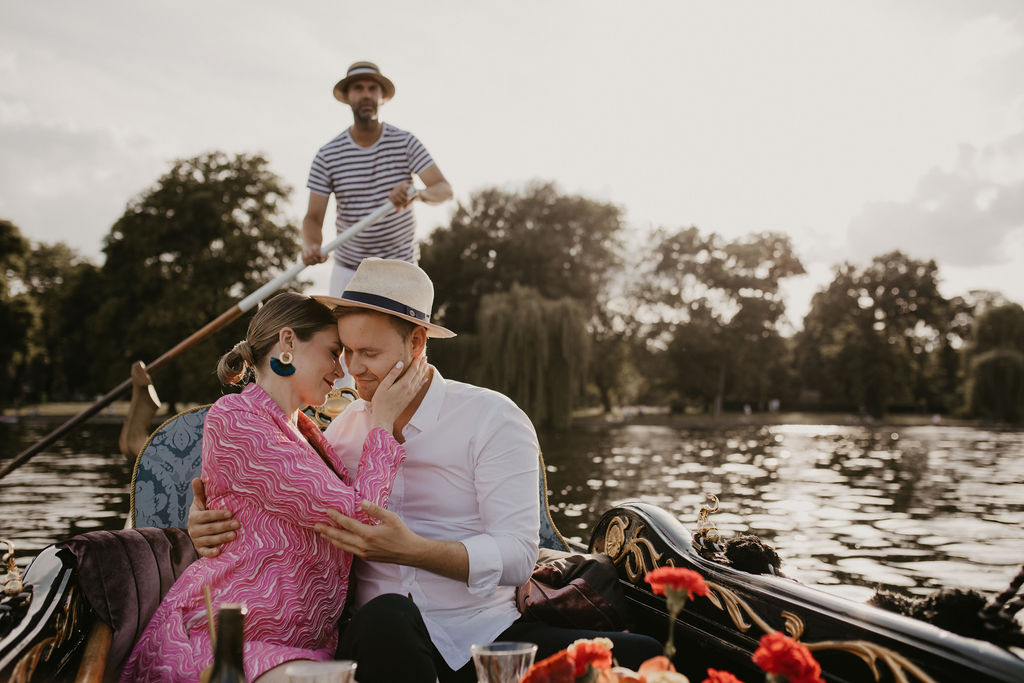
(389, 641)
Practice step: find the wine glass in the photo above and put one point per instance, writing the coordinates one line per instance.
(502, 662)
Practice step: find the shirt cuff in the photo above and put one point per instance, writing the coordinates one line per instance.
(484, 564)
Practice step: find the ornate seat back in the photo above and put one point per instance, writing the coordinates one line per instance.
(161, 490)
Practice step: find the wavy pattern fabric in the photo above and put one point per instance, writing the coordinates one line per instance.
(275, 479)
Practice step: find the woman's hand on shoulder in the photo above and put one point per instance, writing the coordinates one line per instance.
(395, 392)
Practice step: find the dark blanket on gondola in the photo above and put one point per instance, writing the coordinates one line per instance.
(124, 574)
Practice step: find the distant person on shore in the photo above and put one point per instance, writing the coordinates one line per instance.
(271, 465)
(369, 163)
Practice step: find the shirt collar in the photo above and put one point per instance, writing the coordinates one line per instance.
(430, 407)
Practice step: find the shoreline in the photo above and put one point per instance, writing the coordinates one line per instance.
(590, 418)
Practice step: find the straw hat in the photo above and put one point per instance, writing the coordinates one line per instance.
(363, 70)
(398, 288)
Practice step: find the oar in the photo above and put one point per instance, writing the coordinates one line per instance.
(223, 319)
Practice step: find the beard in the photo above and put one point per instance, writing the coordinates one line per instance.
(365, 113)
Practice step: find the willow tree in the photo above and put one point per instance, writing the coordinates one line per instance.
(995, 361)
(535, 351)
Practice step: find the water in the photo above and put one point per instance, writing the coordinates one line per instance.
(847, 507)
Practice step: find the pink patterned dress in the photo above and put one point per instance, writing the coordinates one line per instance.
(293, 582)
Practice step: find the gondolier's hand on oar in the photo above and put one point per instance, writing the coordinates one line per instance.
(208, 529)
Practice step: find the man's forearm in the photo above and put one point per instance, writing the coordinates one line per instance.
(312, 231)
(436, 193)
(446, 558)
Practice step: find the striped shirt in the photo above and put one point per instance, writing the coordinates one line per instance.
(361, 178)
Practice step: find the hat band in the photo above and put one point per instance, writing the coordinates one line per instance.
(385, 303)
(362, 70)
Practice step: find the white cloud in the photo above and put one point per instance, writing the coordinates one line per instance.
(959, 216)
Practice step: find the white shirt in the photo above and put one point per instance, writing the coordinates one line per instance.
(470, 475)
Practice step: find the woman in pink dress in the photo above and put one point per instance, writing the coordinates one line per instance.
(269, 463)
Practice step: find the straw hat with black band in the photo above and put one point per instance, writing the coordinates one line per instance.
(395, 287)
(363, 70)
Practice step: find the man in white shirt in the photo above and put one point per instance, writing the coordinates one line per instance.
(439, 572)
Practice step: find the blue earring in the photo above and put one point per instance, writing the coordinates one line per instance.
(283, 367)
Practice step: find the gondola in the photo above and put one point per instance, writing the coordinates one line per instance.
(53, 630)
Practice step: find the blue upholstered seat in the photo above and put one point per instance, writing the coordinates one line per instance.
(161, 490)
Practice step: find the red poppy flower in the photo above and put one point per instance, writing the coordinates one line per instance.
(777, 653)
(595, 652)
(678, 579)
(715, 676)
(558, 668)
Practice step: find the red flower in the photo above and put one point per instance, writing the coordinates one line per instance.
(715, 676)
(779, 654)
(678, 579)
(595, 652)
(558, 668)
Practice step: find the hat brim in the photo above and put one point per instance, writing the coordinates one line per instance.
(434, 331)
(341, 86)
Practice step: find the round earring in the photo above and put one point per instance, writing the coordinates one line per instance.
(283, 367)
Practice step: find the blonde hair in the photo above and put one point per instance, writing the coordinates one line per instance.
(305, 316)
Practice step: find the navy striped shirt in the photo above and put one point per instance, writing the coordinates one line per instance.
(361, 178)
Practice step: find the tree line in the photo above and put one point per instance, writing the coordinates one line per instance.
(557, 301)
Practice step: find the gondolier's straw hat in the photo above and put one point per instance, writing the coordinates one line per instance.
(363, 70)
(398, 288)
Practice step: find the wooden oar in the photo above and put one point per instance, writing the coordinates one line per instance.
(223, 319)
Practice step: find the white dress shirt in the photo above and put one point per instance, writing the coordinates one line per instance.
(470, 475)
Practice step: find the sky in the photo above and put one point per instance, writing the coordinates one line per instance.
(854, 127)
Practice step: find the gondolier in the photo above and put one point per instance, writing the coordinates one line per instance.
(369, 163)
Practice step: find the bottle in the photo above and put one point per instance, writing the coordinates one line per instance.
(227, 654)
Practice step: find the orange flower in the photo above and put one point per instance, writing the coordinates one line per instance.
(678, 579)
(777, 653)
(596, 652)
(715, 676)
(558, 668)
(654, 664)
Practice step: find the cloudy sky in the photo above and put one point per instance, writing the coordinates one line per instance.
(855, 127)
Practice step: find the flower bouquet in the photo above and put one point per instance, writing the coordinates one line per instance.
(783, 659)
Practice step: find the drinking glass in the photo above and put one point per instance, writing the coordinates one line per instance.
(502, 662)
(343, 671)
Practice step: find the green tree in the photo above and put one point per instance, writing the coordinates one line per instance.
(65, 290)
(535, 351)
(717, 309)
(210, 231)
(16, 314)
(995, 361)
(566, 250)
(871, 333)
(560, 245)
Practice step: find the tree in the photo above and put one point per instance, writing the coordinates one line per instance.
(554, 255)
(535, 351)
(65, 290)
(209, 231)
(995, 361)
(717, 309)
(16, 315)
(869, 336)
(560, 245)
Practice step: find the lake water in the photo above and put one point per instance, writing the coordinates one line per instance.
(847, 507)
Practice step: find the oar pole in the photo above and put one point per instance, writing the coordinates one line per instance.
(220, 321)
